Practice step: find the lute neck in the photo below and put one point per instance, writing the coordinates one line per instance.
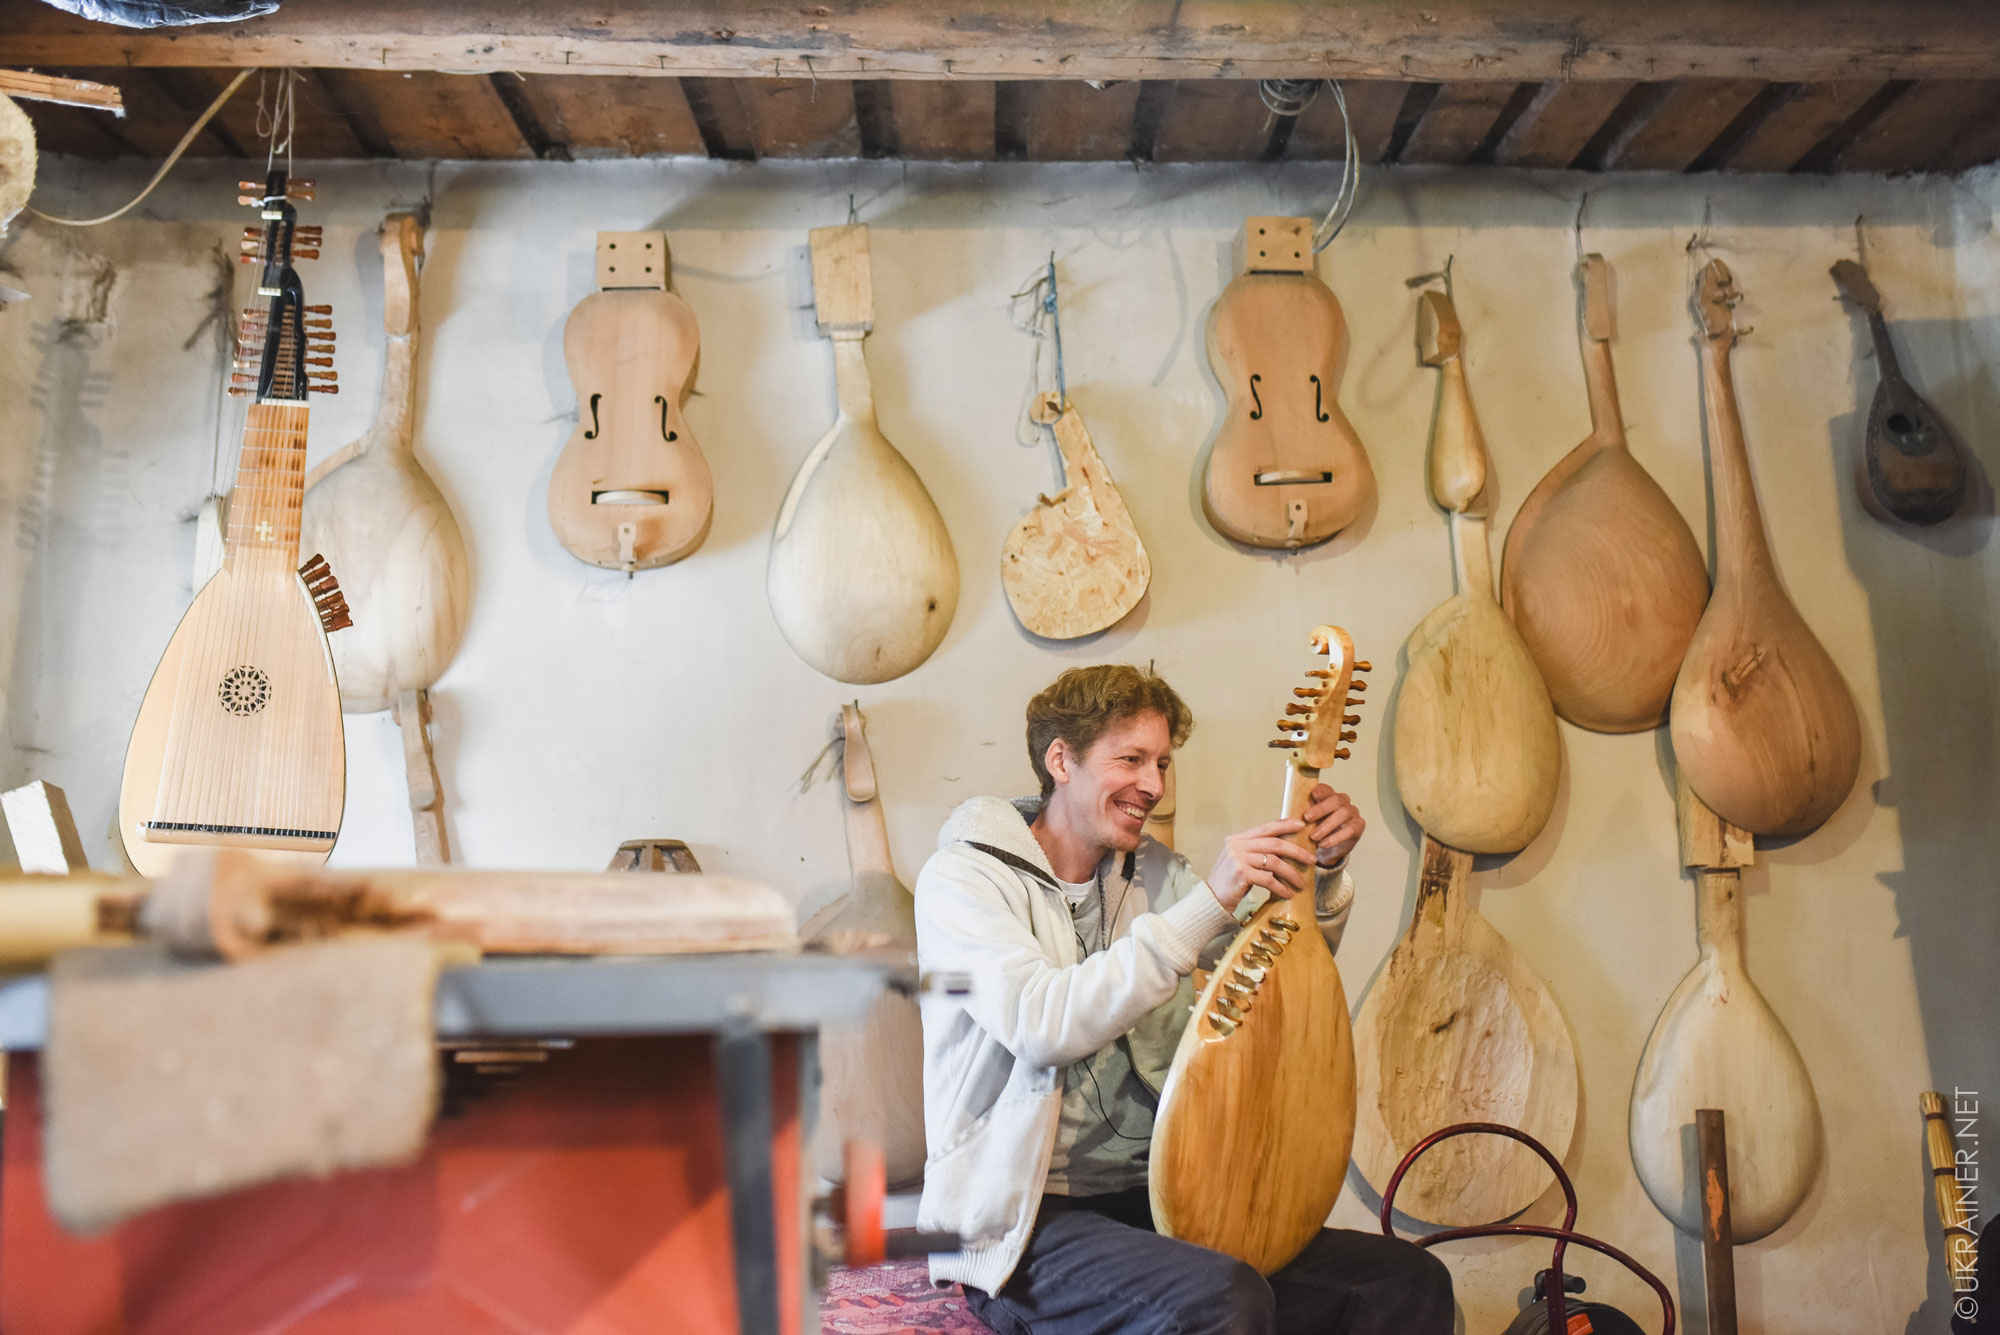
(270, 487)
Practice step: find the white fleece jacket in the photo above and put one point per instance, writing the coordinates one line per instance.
(993, 1059)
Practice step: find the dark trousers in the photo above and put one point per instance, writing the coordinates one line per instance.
(1095, 1264)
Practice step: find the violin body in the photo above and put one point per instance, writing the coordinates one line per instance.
(1287, 469)
(631, 489)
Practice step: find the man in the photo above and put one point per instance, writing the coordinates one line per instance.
(1079, 933)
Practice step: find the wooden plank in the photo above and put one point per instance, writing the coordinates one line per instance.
(719, 114)
(72, 130)
(70, 92)
(1458, 120)
(943, 120)
(1531, 40)
(1073, 122)
(1559, 122)
(801, 118)
(1917, 128)
(43, 831)
(321, 131)
(1686, 121)
(1210, 120)
(1806, 118)
(600, 117)
(437, 115)
(1976, 145)
(153, 122)
(1372, 105)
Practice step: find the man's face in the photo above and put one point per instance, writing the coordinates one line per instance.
(1107, 792)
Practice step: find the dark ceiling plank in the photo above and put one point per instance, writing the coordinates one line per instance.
(720, 116)
(1558, 122)
(1809, 115)
(615, 118)
(1211, 120)
(1458, 120)
(527, 121)
(153, 122)
(1522, 40)
(1915, 130)
(1073, 122)
(1976, 145)
(78, 131)
(943, 120)
(1372, 105)
(320, 131)
(192, 90)
(801, 118)
(1685, 121)
(440, 115)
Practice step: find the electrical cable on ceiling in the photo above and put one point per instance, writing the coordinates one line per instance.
(1290, 97)
(165, 167)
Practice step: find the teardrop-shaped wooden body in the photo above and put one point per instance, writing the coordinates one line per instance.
(375, 514)
(1600, 572)
(1287, 468)
(1459, 1028)
(1074, 565)
(1476, 750)
(1763, 724)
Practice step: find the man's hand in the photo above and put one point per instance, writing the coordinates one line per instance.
(1268, 855)
(1335, 823)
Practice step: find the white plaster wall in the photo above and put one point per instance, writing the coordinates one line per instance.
(586, 708)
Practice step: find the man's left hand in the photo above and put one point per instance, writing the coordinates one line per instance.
(1335, 825)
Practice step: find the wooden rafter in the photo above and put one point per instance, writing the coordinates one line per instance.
(1491, 40)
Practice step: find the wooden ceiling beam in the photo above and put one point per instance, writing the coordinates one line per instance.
(1505, 40)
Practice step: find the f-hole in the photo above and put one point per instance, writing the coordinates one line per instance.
(592, 433)
(1258, 411)
(666, 435)
(1318, 411)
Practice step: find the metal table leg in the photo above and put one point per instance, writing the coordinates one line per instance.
(743, 1078)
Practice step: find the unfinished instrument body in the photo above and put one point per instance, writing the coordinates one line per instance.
(1477, 754)
(381, 521)
(238, 741)
(873, 1071)
(1912, 467)
(1763, 724)
(1074, 565)
(1251, 1140)
(1287, 469)
(1600, 573)
(631, 490)
(1718, 1044)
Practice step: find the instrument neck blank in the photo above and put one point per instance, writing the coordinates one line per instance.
(850, 377)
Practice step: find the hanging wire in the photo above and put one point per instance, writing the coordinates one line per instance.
(1035, 314)
(165, 167)
(1287, 97)
(1350, 178)
(1576, 227)
(276, 122)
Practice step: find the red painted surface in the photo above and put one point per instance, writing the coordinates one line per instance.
(590, 1197)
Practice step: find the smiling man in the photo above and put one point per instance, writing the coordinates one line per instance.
(1079, 933)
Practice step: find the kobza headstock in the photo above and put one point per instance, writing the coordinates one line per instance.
(284, 350)
(1317, 723)
(1715, 300)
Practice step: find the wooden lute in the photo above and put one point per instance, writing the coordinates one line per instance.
(874, 1070)
(1763, 724)
(1074, 564)
(1476, 751)
(1600, 573)
(1912, 467)
(1718, 1044)
(631, 490)
(863, 580)
(1286, 470)
(379, 519)
(238, 740)
(1256, 1118)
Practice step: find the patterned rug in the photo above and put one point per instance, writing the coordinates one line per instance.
(887, 1299)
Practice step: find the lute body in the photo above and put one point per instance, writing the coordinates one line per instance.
(1287, 469)
(1074, 565)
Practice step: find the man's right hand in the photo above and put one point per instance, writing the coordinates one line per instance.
(1262, 856)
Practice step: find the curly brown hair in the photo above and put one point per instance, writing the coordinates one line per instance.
(1083, 702)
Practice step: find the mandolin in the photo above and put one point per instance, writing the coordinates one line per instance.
(1257, 1115)
(631, 489)
(238, 740)
(1286, 470)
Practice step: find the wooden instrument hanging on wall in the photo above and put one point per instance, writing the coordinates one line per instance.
(1600, 573)
(1250, 1143)
(631, 490)
(238, 740)
(863, 580)
(1074, 565)
(874, 1071)
(1912, 467)
(1763, 724)
(1718, 1044)
(1286, 470)
(1476, 751)
(379, 519)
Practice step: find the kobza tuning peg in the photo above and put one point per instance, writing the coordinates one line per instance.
(326, 595)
